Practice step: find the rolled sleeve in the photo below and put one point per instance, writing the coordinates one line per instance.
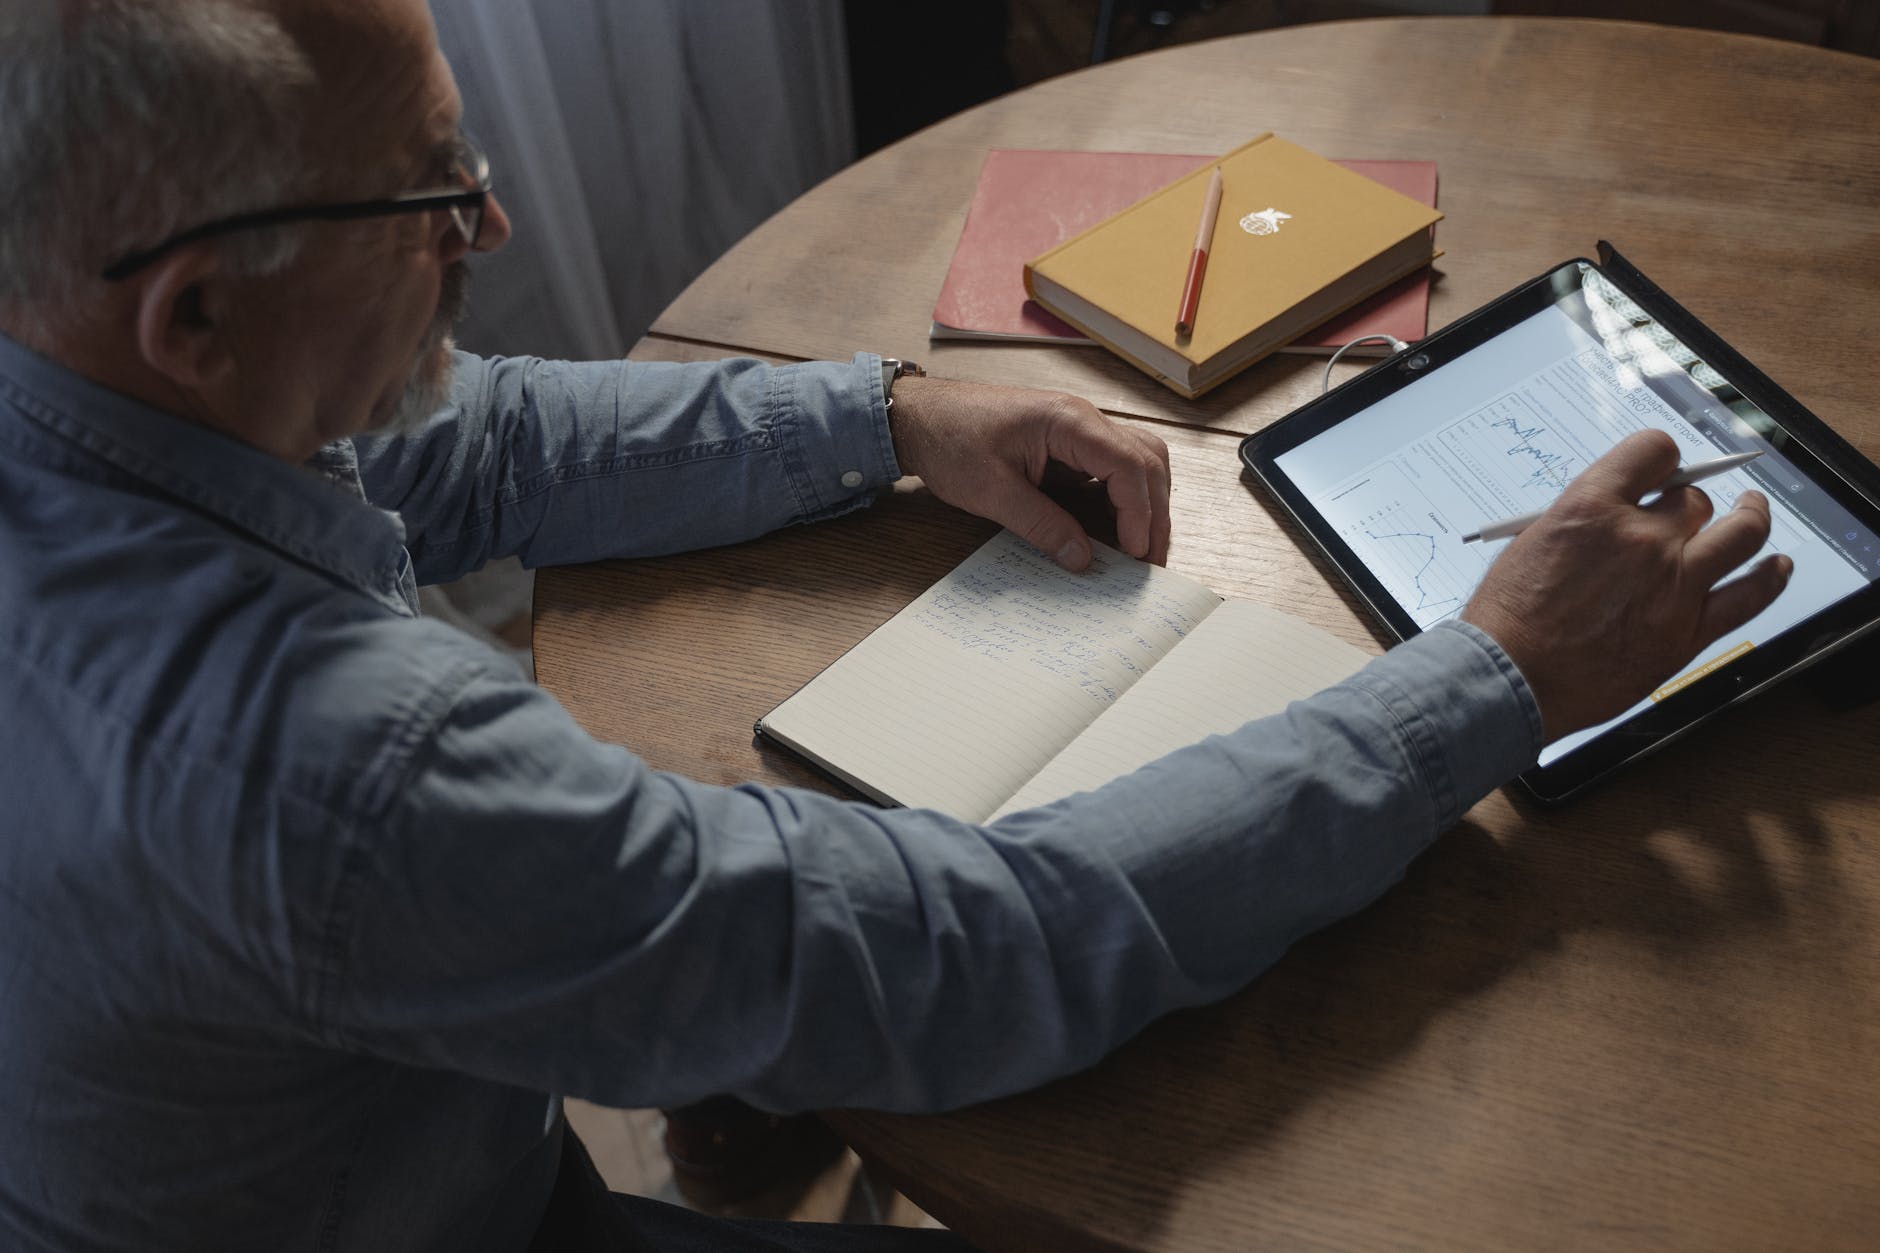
(562, 462)
(546, 911)
(1462, 712)
(833, 421)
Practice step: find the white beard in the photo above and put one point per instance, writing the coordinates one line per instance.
(429, 385)
(425, 391)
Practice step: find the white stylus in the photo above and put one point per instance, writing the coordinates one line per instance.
(1683, 476)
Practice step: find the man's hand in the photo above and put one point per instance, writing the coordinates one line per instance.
(1601, 600)
(986, 449)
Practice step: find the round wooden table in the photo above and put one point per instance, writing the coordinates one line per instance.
(1649, 1020)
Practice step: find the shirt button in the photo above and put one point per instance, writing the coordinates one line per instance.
(852, 479)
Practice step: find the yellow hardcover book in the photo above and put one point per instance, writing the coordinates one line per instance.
(1299, 240)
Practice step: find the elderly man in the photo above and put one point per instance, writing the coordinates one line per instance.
(310, 911)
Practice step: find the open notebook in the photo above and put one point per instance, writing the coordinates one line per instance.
(1012, 682)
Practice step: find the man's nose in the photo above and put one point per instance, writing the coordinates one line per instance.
(496, 226)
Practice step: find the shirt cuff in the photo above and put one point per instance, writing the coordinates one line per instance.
(834, 430)
(1467, 715)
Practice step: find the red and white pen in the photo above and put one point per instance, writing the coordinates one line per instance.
(1198, 263)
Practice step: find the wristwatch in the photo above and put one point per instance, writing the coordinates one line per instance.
(893, 368)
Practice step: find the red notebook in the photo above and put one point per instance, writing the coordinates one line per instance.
(1029, 201)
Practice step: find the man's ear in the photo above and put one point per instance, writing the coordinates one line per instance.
(182, 317)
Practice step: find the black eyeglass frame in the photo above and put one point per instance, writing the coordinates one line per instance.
(471, 159)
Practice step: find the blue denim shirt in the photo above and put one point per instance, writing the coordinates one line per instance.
(310, 910)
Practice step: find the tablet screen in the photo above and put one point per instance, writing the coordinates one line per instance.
(1498, 430)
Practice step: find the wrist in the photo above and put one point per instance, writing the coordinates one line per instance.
(902, 387)
(893, 370)
(1528, 659)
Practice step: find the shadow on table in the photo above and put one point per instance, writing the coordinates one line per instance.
(1716, 840)
(1204, 1094)
(1683, 857)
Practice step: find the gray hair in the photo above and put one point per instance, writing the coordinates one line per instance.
(123, 122)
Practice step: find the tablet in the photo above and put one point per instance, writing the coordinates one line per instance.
(1490, 416)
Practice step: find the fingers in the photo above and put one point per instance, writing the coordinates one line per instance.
(1689, 508)
(1159, 480)
(1728, 542)
(1721, 548)
(1635, 465)
(986, 449)
(1045, 525)
(1741, 599)
(1134, 502)
(1134, 469)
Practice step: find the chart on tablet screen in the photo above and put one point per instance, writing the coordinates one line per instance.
(1404, 539)
(1501, 429)
(1404, 515)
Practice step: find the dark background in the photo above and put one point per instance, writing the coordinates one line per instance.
(914, 63)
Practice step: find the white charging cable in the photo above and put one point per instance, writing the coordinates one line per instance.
(1396, 345)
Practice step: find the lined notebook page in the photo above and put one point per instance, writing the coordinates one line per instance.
(962, 696)
(1245, 662)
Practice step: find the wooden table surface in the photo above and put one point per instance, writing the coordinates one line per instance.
(1648, 1020)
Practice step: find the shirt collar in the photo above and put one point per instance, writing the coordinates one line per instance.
(316, 514)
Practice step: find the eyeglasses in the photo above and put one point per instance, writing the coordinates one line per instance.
(465, 203)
